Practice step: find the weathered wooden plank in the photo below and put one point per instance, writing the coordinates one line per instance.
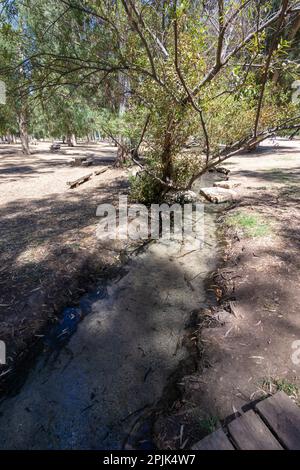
(218, 195)
(102, 170)
(250, 433)
(215, 441)
(83, 179)
(226, 184)
(282, 416)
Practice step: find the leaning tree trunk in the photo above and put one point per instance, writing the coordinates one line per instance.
(71, 140)
(23, 128)
(121, 156)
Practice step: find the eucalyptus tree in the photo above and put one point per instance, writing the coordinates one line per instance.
(197, 70)
(13, 68)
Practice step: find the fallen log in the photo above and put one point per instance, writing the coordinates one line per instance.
(83, 179)
(87, 162)
(220, 169)
(218, 195)
(226, 184)
(98, 172)
(54, 147)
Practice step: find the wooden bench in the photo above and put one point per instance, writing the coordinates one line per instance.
(273, 424)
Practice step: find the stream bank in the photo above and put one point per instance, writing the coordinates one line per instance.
(248, 340)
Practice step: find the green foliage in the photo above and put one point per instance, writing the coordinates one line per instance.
(273, 385)
(104, 67)
(252, 225)
(209, 424)
(144, 189)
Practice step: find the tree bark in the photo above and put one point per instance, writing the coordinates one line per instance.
(121, 156)
(71, 140)
(124, 91)
(23, 128)
(167, 154)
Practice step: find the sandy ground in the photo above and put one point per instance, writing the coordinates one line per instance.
(115, 368)
(275, 165)
(249, 352)
(44, 173)
(49, 253)
(90, 393)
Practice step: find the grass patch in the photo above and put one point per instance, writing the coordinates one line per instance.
(209, 424)
(272, 385)
(252, 225)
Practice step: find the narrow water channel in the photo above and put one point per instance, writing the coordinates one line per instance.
(87, 393)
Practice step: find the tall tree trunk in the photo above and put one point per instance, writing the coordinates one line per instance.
(167, 154)
(71, 140)
(23, 128)
(121, 157)
(124, 89)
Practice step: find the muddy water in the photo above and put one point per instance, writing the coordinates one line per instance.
(89, 391)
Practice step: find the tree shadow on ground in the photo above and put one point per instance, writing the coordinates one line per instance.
(49, 256)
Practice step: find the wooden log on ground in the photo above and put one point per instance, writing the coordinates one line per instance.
(220, 169)
(87, 162)
(99, 172)
(55, 147)
(218, 195)
(83, 179)
(226, 184)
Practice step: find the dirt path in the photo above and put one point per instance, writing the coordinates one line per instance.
(248, 352)
(44, 173)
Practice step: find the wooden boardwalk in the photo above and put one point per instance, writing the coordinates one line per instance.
(273, 424)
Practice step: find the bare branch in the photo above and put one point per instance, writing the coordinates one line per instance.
(243, 145)
(142, 37)
(219, 65)
(154, 37)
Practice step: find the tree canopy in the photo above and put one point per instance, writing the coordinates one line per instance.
(153, 74)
